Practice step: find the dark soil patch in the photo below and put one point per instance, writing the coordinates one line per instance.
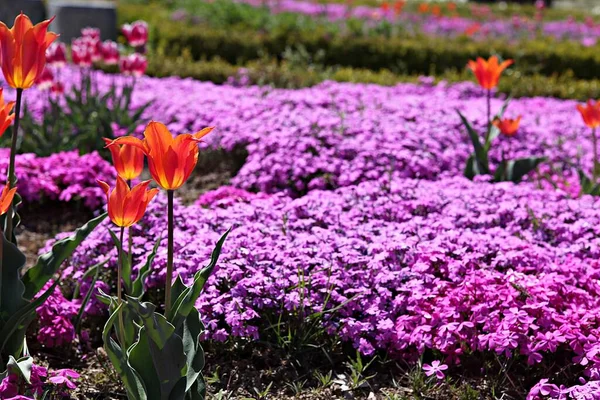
(41, 222)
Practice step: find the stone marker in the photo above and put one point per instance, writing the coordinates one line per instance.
(73, 15)
(9, 9)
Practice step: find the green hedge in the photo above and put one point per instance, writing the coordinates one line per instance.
(410, 55)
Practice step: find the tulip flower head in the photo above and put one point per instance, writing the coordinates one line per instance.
(6, 198)
(170, 160)
(590, 113)
(508, 127)
(56, 55)
(128, 160)
(488, 72)
(134, 64)
(57, 88)
(45, 80)
(136, 33)
(23, 50)
(92, 33)
(127, 206)
(110, 52)
(6, 119)
(80, 53)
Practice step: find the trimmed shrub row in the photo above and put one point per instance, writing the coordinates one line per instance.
(403, 55)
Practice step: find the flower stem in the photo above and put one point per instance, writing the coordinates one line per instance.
(119, 288)
(130, 238)
(489, 115)
(595, 149)
(12, 177)
(169, 282)
(1, 258)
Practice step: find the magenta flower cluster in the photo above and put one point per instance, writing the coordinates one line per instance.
(354, 189)
(451, 265)
(343, 134)
(42, 382)
(587, 33)
(61, 177)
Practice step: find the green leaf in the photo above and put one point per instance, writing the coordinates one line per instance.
(481, 157)
(21, 367)
(12, 334)
(47, 264)
(88, 296)
(126, 266)
(140, 358)
(471, 169)
(157, 326)
(137, 289)
(191, 330)
(186, 300)
(129, 376)
(517, 169)
(587, 186)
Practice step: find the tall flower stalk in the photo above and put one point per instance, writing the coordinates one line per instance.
(125, 207)
(590, 113)
(23, 54)
(171, 162)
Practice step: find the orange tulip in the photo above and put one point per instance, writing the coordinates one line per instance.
(6, 198)
(170, 160)
(590, 113)
(23, 49)
(488, 72)
(423, 8)
(6, 119)
(125, 206)
(436, 10)
(128, 160)
(398, 6)
(507, 126)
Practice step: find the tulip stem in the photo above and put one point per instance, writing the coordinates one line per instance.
(1, 258)
(595, 149)
(169, 282)
(12, 177)
(119, 288)
(130, 238)
(489, 115)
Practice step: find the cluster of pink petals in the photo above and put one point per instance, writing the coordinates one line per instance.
(63, 177)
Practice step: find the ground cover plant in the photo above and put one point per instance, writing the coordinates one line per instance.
(423, 240)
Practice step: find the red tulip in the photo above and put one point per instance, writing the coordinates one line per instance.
(488, 72)
(6, 198)
(127, 206)
(136, 33)
(110, 52)
(507, 126)
(170, 160)
(23, 49)
(6, 119)
(56, 55)
(590, 113)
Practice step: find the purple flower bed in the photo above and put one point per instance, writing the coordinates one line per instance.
(450, 266)
(335, 135)
(515, 28)
(63, 176)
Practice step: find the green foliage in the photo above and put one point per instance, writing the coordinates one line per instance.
(159, 356)
(88, 117)
(478, 162)
(20, 296)
(239, 43)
